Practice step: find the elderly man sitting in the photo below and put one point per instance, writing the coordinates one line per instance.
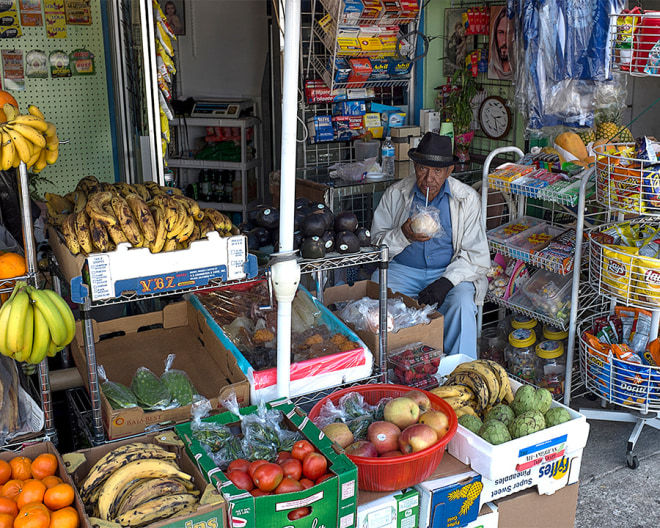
(449, 270)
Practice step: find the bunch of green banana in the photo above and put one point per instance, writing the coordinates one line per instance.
(28, 138)
(35, 324)
(475, 387)
(97, 216)
(137, 484)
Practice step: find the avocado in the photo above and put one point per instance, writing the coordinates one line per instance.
(252, 241)
(297, 219)
(328, 217)
(252, 214)
(262, 234)
(328, 239)
(268, 217)
(364, 236)
(244, 227)
(347, 242)
(302, 202)
(297, 239)
(346, 221)
(314, 224)
(312, 248)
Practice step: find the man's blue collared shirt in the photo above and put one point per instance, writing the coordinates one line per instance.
(437, 252)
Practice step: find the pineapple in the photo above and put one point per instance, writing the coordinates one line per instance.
(587, 135)
(609, 128)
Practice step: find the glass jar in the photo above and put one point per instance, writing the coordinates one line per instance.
(550, 366)
(520, 354)
(522, 321)
(504, 328)
(491, 346)
(556, 334)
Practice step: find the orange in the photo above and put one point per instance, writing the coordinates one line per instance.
(20, 468)
(33, 491)
(65, 518)
(44, 465)
(5, 471)
(6, 520)
(51, 481)
(12, 265)
(32, 515)
(8, 506)
(12, 488)
(6, 97)
(59, 496)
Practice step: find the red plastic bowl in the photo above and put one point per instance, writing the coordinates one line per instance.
(395, 473)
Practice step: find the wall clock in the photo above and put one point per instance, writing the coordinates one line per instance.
(494, 117)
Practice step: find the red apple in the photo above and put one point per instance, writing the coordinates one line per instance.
(362, 448)
(421, 399)
(384, 436)
(437, 420)
(391, 454)
(401, 411)
(417, 437)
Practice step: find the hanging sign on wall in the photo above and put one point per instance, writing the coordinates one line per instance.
(55, 19)
(9, 24)
(82, 62)
(31, 13)
(78, 12)
(59, 64)
(12, 67)
(36, 64)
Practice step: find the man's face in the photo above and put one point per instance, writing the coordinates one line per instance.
(431, 178)
(500, 35)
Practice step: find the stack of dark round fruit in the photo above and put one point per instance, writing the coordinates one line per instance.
(317, 231)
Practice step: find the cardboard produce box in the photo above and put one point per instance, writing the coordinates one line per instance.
(333, 502)
(539, 511)
(429, 334)
(306, 376)
(180, 329)
(127, 269)
(391, 510)
(211, 511)
(32, 452)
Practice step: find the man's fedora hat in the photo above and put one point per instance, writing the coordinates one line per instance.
(433, 150)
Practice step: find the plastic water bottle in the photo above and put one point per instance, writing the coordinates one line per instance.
(387, 157)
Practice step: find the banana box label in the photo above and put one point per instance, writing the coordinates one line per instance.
(536, 454)
(450, 501)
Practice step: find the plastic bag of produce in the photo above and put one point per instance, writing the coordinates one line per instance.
(178, 383)
(118, 394)
(426, 221)
(218, 439)
(151, 393)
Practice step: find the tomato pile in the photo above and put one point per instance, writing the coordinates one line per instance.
(295, 470)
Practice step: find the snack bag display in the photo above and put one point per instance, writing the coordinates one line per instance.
(646, 283)
(616, 269)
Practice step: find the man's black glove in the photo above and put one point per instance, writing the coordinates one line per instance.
(435, 292)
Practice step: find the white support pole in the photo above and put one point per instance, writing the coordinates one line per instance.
(287, 182)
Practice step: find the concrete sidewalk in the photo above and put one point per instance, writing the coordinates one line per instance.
(611, 494)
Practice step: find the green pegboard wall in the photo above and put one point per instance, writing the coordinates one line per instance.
(77, 105)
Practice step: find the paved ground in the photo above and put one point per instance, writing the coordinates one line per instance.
(611, 494)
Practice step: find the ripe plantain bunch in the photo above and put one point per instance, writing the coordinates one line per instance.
(28, 138)
(97, 216)
(138, 484)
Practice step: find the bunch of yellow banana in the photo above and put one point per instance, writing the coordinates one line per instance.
(97, 216)
(137, 484)
(35, 324)
(28, 138)
(475, 387)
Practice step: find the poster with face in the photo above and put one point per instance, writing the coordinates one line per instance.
(500, 52)
(458, 45)
(174, 13)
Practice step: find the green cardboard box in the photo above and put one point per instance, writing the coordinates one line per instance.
(333, 502)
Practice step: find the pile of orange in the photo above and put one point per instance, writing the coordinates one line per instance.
(32, 496)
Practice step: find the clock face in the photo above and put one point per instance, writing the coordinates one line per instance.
(494, 117)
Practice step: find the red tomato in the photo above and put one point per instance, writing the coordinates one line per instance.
(282, 456)
(323, 477)
(301, 449)
(288, 485)
(239, 463)
(254, 465)
(314, 465)
(292, 468)
(256, 492)
(306, 483)
(299, 513)
(268, 476)
(241, 479)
